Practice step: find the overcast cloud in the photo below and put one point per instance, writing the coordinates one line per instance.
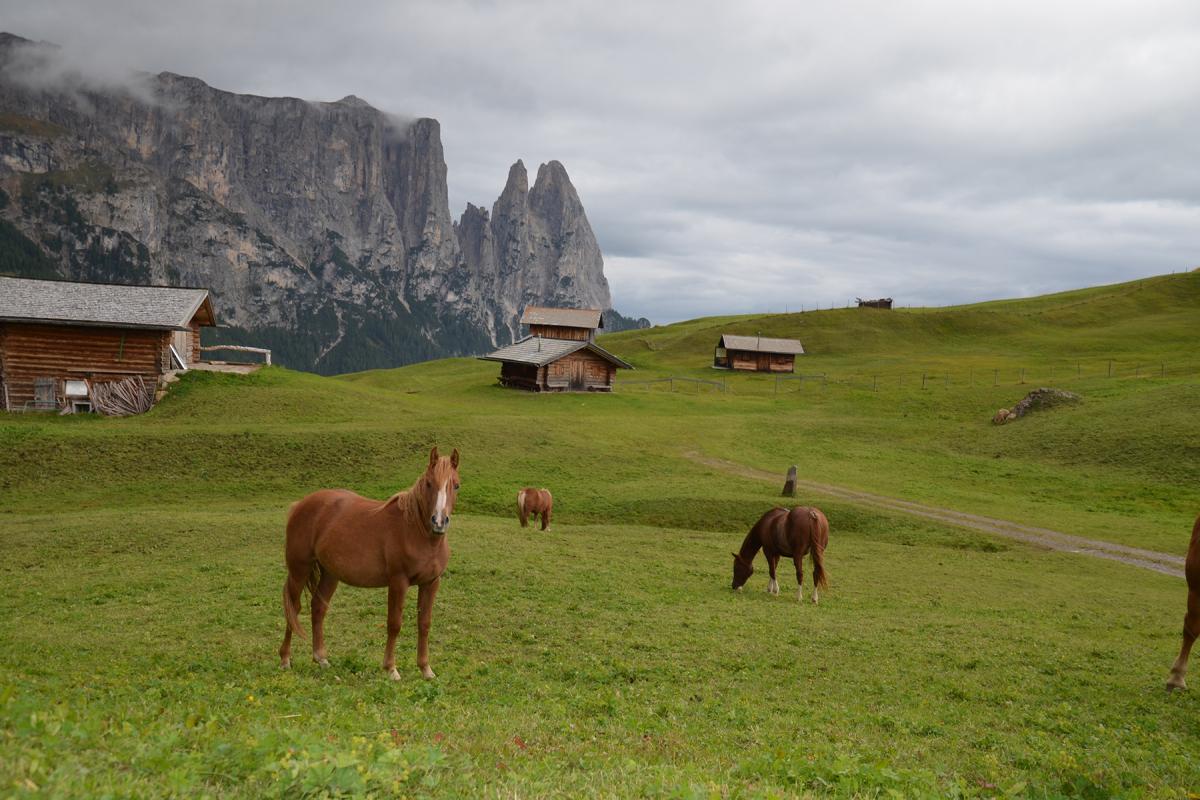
(737, 157)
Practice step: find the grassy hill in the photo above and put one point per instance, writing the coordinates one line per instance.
(608, 656)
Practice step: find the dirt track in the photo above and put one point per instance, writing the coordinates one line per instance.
(1041, 537)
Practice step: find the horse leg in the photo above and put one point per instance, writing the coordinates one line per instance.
(545, 518)
(799, 558)
(773, 585)
(1191, 629)
(293, 585)
(396, 591)
(319, 602)
(425, 596)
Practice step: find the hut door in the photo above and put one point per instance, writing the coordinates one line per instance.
(578, 374)
(183, 345)
(764, 362)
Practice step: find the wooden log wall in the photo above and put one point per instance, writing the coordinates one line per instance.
(64, 352)
(761, 362)
(560, 332)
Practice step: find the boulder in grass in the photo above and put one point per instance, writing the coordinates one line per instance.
(1043, 399)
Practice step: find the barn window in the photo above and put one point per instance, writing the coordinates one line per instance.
(45, 393)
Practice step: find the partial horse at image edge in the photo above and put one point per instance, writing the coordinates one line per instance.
(782, 533)
(1191, 622)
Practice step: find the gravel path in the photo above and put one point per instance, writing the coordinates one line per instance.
(1042, 537)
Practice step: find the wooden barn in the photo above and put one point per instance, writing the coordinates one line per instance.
(540, 364)
(56, 337)
(756, 353)
(578, 324)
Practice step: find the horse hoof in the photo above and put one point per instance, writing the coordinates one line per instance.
(285, 663)
(394, 674)
(323, 663)
(427, 673)
(1176, 686)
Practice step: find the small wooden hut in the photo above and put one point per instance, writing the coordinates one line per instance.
(578, 324)
(883, 302)
(756, 353)
(56, 337)
(540, 364)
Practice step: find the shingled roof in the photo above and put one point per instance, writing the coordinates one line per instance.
(761, 344)
(565, 317)
(103, 305)
(540, 351)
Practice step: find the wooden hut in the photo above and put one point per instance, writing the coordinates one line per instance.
(57, 336)
(540, 364)
(756, 353)
(883, 302)
(578, 324)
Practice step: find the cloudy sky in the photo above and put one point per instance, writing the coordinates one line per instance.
(751, 156)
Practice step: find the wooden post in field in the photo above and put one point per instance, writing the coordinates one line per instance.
(1162, 370)
(946, 381)
(922, 380)
(1078, 369)
(874, 383)
(789, 484)
(1022, 374)
(1110, 368)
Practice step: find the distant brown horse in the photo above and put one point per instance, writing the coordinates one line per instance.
(792, 534)
(336, 535)
(1191, 622)
(532, 502)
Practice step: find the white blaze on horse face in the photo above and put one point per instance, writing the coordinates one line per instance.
(440, 520)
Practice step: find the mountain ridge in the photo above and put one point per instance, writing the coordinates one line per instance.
(323, 229)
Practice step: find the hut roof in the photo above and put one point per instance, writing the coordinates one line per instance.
(563, 317)
(540, 350)
(761, 344)
(100, 304)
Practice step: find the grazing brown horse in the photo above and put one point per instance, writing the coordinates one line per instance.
(336, 535)
(780, 532)
(532, 502)
(1191, 622)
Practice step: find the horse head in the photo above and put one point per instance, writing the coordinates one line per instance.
(742, 570)
(438, 489)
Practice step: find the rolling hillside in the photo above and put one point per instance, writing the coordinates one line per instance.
(607, 656)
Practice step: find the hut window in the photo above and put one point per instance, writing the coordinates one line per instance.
(45, 393)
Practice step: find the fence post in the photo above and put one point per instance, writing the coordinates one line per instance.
(922, 380)
(1078, 370)
(946, 381)
(1022, 374)
(1110, 368)
(672, 387)
(1162, 370)
(777, 385)
(874, 383)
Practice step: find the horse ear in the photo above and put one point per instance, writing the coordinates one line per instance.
(433, 456)
(454, 458)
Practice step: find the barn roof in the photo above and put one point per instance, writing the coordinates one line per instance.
(563, 317)
(540, 351)
(101, 304)
(761, 344)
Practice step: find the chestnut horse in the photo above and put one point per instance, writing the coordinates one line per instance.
(780, 532)
(336, 535)
(532, 502)
(1191, 622)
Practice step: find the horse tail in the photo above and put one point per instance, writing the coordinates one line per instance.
(521, 514)
(819, 540)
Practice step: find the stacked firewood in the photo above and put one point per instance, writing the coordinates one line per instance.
(121, 398)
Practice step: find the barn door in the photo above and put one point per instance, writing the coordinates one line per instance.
(182, 341)
(578, 375)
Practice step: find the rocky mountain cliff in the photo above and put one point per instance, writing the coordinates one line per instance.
(323, 229)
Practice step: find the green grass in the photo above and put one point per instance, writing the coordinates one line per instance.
(608, 657)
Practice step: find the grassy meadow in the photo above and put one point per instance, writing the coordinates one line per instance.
(608, 656)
